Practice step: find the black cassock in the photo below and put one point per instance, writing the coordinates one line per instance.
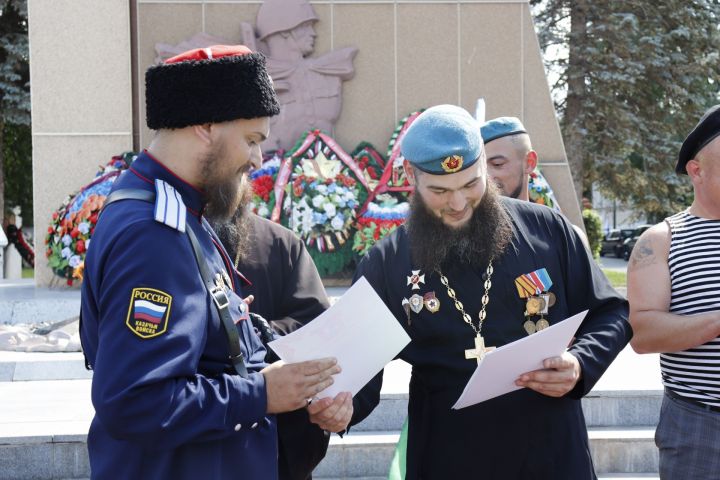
(523, 434)
(288, 293)
(286, 285)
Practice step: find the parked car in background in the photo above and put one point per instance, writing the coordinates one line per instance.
(631, 241)
(614, 242)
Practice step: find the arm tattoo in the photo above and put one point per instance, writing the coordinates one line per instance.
(643, 254)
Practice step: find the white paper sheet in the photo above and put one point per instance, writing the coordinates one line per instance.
(498, 370)
(358, 330)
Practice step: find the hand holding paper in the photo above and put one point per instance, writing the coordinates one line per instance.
(358, 330)
(558, 376)
(499, 369)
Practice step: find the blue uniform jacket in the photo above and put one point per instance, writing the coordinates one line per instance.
(168, 404)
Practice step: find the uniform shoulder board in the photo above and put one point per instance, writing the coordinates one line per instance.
(169, 207)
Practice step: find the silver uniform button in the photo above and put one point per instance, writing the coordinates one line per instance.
(238, 427)
(254, 425)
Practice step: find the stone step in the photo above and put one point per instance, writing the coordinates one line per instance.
(43, 420)
(603, 408)
(361, 454)
(22, 302)
(357, 455)
(626, 476)
(38, 366)
(43, 423)
(613, 476)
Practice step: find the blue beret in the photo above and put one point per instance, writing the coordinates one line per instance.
(501, 127)
(704, 132)
(443, 139)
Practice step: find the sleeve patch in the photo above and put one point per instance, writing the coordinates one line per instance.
(148, 312)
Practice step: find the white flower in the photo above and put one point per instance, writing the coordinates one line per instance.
(263, 211)
(322, 189)
(330, 210)
(295, 220)
(337, 223)
(66, 239)
(74, 261)
(84, 227)
(307, 224)
(66, 252)
(318, 200)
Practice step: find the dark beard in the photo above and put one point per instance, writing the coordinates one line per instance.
(223, 195)
(434, 245)
(226, 208)
(235, 233)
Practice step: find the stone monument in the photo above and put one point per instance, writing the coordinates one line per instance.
(309, 89)
(89, 105)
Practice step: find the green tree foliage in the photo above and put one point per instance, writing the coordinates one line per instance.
(17, 154)
(633, 78)
(14, 100)
(593, 228)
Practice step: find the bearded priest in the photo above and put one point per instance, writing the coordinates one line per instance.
(471, 271)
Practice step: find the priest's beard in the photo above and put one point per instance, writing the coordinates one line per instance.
(434, 245)
(236, 232)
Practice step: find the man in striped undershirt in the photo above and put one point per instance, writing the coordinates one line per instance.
(673, 285)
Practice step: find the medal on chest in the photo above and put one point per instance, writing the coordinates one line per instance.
(417, 302)
(534, 287)
(416, 279)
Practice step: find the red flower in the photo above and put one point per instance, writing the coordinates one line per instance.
(93, 218)
(298, 189)
(262, 186)
(75, 233)
(51, 229)
(80, 246)
(48, 252)
(54, 215)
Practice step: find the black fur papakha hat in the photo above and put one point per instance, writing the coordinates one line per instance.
(209, 85)
(704, 132)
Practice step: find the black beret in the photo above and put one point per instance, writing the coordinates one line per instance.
(704, 132)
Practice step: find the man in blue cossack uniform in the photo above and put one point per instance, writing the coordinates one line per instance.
(180, 386)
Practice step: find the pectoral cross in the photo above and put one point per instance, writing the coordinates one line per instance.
(479, 351)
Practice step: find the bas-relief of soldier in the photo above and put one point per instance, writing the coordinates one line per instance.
(309, 88)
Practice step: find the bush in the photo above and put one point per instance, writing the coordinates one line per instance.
(593, 228)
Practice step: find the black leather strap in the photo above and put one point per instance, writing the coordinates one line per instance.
(691, 401)
(218, 295)
(217, 292)
(129, 194)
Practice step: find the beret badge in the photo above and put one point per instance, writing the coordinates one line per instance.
(452, 164)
